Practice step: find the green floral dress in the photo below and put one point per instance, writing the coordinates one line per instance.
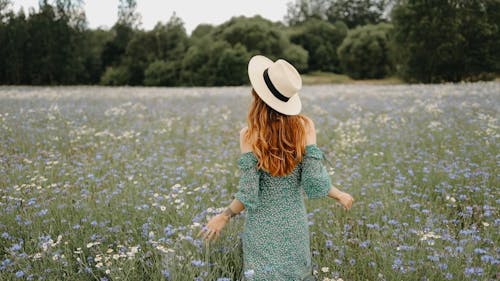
(276, 235)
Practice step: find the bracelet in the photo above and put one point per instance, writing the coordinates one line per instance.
(229, 213)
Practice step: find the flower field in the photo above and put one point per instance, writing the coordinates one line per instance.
(115, 183)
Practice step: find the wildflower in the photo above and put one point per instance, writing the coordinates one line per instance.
(92, 244)
(325, 269)
(249, 273)
(329, 244)
(474, 271)
(16, 247)
(197, 263)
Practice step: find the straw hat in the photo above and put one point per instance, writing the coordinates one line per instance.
(277, 84)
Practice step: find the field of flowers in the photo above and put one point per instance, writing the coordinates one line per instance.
(114, 183)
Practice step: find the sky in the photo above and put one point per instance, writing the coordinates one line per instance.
(103, 13)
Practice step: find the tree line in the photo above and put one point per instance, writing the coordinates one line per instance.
(417, 40)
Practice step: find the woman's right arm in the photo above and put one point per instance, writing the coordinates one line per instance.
(317, 181)
(314, 177)
(344, 198)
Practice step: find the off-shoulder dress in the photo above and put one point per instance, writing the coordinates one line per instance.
(276, 242)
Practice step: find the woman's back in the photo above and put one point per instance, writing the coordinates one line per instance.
(276, 236)
(280, 162)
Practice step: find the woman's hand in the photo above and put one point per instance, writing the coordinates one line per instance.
(212, 230)
(345, 199)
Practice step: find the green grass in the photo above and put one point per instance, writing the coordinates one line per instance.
(115, 182)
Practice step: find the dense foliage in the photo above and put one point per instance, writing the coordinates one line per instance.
(430, 42)
(366, 52)
(447, 40)
(321, 40)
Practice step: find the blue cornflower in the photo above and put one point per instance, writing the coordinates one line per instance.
(168, 230)
(365, 244)
(488, 259)
(474, 271)
(19, 274)
(16, 247)
(433, 258)
(197, 263)
(42, 213)
(479, 251)
(329, 244)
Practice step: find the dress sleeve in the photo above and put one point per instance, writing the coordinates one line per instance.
(314, 178)
(248, 187)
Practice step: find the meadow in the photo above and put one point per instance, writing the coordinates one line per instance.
(115, 183)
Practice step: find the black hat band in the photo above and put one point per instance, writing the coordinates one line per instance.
(273, 89)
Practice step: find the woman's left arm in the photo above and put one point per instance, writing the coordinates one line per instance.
(214, 226)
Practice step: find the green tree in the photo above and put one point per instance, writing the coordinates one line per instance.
(297, 56)
(162, 73)
(171, 39)
(201, 31)
(302, 10)
(114, 48)
(446, 40)
(357, 12)
(138, 55)
(52, 48)
(128, 15)
(231, 67)
(4, 10)
(195, 69)
(166, 43)
(351, 12)
(258, 35)
(200, 62)
(123, 31)
(480, 26)
(115, 76)
(13, 41)
(366, 52)
(321, 40)
(219, 55)
(93, 45)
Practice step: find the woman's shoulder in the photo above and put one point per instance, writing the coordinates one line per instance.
(310, 130)
(245, 145)
(308, 122)
(243, 131)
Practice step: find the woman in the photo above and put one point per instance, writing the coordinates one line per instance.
(279, 160)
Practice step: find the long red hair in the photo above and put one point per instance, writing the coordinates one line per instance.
(277, 140)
